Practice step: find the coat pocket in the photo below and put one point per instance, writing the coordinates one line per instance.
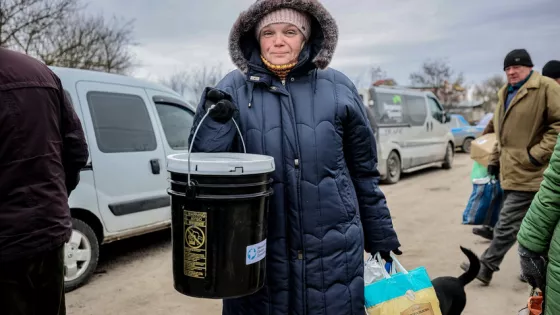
(520, 158)
(347, 194)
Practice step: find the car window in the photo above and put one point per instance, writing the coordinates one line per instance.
(435, 108)
(121, 122)
(463, 122)
(416, 110)
(177, 122)
(485, 120)
(388, 108)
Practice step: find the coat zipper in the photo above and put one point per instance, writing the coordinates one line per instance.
(297, 166)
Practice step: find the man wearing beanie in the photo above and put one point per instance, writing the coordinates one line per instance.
(552, 70)
(526, 123)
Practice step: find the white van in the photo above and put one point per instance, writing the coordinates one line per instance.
(131, 126)
(412, 131)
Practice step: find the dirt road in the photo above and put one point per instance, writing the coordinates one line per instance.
(134, 275)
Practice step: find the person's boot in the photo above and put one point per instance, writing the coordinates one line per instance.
(484, 275)
(484, 231)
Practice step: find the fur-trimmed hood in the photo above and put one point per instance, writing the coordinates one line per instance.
(322, 42)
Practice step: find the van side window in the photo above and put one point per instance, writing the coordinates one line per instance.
(416, 110)
(177, 123)
(388, 108)
(435, 108)
(121, 122)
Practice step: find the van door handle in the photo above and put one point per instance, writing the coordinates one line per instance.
(154, 163)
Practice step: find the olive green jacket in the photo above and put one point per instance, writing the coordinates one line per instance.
(540, 230)
(530, 125)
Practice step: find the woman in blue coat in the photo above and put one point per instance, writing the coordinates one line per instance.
(327, 206)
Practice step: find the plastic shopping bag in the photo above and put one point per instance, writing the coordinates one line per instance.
(374, 270)
(534, 305)
(402, 292)
(484, 203)
(478, 171)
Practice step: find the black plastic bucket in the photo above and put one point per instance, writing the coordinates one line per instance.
(219, 222)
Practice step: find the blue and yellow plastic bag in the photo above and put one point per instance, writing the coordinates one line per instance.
(402, 293)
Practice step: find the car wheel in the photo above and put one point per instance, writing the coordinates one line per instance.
(393, 168)
(81, 254)
(467, 145)
(449, 155)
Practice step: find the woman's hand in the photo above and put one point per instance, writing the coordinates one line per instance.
(220, 106)
(387, 255)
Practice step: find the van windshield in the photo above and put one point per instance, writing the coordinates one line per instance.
(388, 108)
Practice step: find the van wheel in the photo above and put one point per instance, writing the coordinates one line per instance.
(81, 254)
(449, 155)
(466, 147)
(393, 168)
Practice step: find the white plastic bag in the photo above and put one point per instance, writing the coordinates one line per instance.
(374, 269)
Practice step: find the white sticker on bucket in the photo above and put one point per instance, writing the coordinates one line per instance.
(255, 253)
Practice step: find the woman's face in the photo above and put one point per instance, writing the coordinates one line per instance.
(281, 43)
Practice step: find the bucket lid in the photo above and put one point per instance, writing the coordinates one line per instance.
(222, 163)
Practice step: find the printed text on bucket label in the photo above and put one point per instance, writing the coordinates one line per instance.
(255, 253)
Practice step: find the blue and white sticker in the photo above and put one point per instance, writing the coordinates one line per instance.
(255, 253)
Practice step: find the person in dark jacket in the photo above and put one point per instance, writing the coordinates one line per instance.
(552, 70)
(42, 150)
(327, 206)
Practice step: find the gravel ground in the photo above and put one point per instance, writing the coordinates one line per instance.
(134, 275)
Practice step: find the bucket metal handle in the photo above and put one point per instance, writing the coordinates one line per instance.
(194, 138)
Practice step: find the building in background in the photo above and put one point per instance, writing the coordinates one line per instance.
(473, 111)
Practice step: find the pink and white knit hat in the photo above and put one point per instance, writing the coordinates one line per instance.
(286, 15)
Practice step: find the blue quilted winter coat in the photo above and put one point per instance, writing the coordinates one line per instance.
(327, 206)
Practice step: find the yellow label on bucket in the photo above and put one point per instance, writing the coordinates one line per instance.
(195, 244)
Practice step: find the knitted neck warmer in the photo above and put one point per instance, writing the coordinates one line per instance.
(280, 70)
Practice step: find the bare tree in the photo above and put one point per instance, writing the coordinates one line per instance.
(86, 42)
(60, 34)
(191, 83)
(376, 73)
(438, 76)
(488, 90)
(21, 19)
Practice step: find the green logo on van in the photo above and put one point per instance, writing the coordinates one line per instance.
(397, 99)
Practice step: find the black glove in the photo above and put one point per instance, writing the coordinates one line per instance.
(533, 268)
(494, 170)
(387, 255)
(223, 109)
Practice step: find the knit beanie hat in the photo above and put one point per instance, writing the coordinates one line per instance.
(518, 57)
(286, 15)
(552, 69)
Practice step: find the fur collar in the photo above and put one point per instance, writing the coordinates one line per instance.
(322, 42)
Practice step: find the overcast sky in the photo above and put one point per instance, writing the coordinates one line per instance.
(398, 35)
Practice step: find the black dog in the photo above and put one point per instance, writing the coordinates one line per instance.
(451, 291)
